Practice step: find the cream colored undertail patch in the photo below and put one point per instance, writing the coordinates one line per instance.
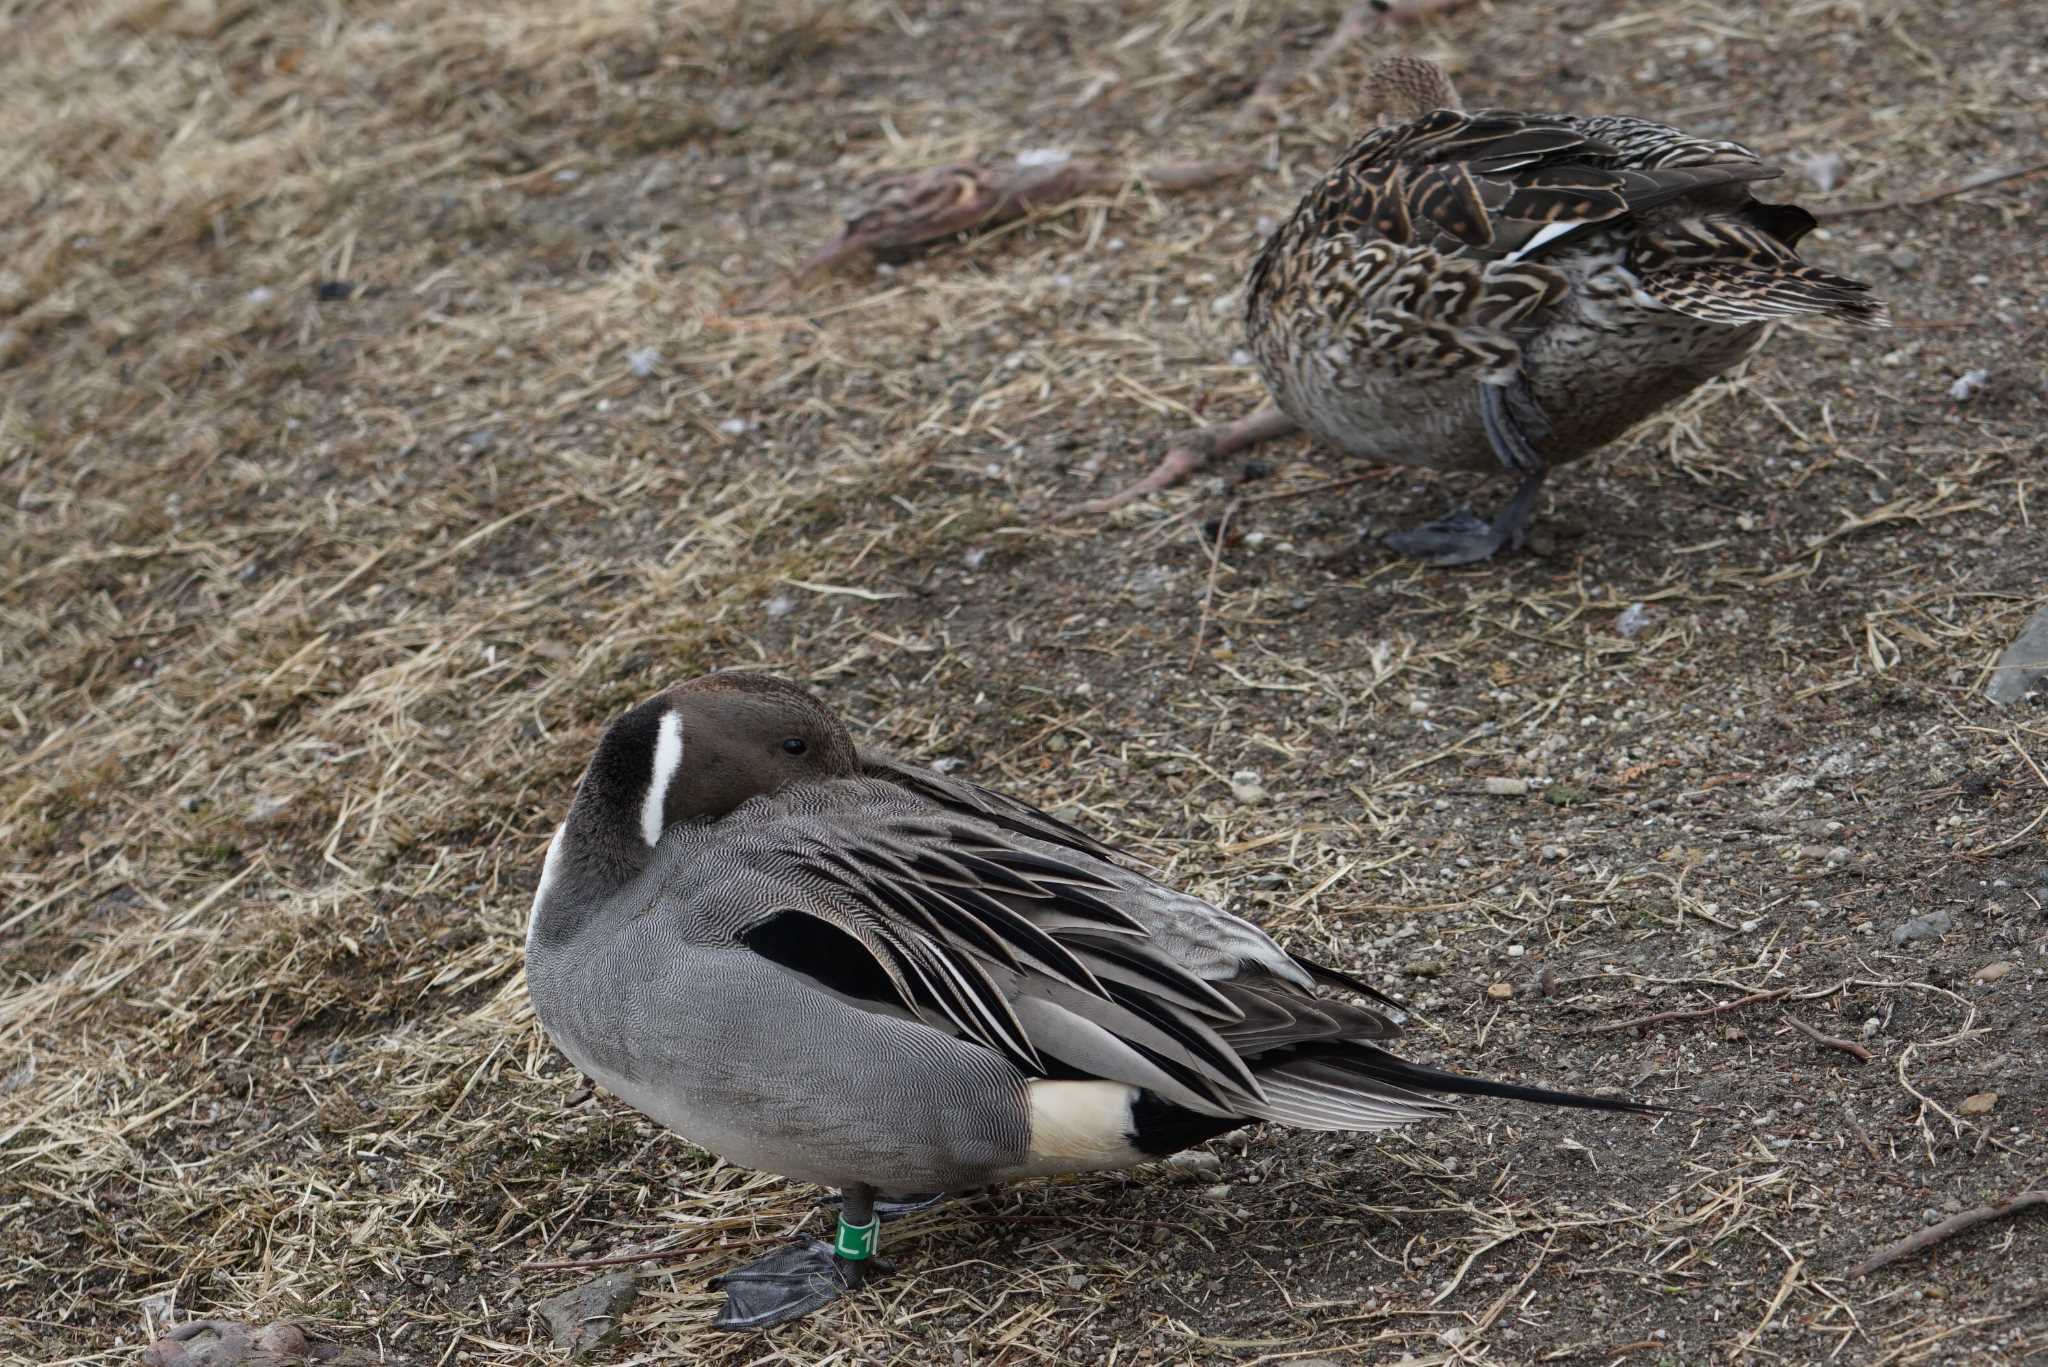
(1081, 1125)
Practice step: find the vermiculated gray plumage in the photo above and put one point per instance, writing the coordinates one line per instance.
(836, 967)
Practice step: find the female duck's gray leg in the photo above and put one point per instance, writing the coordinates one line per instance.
(1514, 425)
(796, 1280)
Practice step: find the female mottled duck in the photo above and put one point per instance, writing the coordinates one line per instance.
(1466, 290)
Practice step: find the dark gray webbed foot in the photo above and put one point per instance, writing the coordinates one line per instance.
(1462, 539)
(789, 1283)
(796, 1280)
(1455, 539)
(1515, 426)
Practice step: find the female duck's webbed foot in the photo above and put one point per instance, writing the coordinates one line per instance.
(1515, 426)
(796, 1280)
(1188, 455)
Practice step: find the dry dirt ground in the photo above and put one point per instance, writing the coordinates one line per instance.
(385, 402)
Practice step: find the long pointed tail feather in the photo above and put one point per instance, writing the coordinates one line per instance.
(1381, 1066)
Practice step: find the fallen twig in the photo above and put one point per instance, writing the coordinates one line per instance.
(1666, 1017)
(678, 1252)
(1973, 183)
(1209, 594)
(901, 213)
(1847, 1046)
(1948, 1229)
(1324, 487)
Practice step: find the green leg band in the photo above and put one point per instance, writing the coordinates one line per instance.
(857, 1242)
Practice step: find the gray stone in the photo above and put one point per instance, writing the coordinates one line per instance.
(585, 1318)
(2024, 665)
(1928, 927)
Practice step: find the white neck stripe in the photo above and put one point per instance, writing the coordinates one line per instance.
(668, 757)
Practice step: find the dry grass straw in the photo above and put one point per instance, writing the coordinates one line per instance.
(310, 610)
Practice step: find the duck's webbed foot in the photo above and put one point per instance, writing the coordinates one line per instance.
(1515, 426)
(1188, 455)
(793, 1281)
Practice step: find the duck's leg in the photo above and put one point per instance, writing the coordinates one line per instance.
(1190, 454)
(895, 1208)
(796, 1280)
(1515, 428)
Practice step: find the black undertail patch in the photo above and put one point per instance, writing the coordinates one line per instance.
(1160, 1127)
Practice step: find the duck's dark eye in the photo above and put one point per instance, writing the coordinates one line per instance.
(794, 746)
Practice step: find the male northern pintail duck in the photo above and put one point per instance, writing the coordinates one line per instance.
(819, 962)
(1473, 290)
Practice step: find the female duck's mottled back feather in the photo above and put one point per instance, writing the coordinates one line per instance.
(1597, 266)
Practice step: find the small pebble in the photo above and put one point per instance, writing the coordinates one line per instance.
(1507, 787)
(1992, 972)
(1978, 1103)
(1824, 169)
(1500, 992)
(1931, 926)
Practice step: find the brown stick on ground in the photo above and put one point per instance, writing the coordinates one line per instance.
(1666, 1017)
(1916, 201)
(1209, 594)
(1847, 1046)
(677, 1253)
(904, 212)
(1188, 454)
(1349, 30)
(1947, 1229)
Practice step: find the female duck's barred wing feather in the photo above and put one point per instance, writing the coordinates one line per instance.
(1486, 184)
(1729, 270)
(1422, 253)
